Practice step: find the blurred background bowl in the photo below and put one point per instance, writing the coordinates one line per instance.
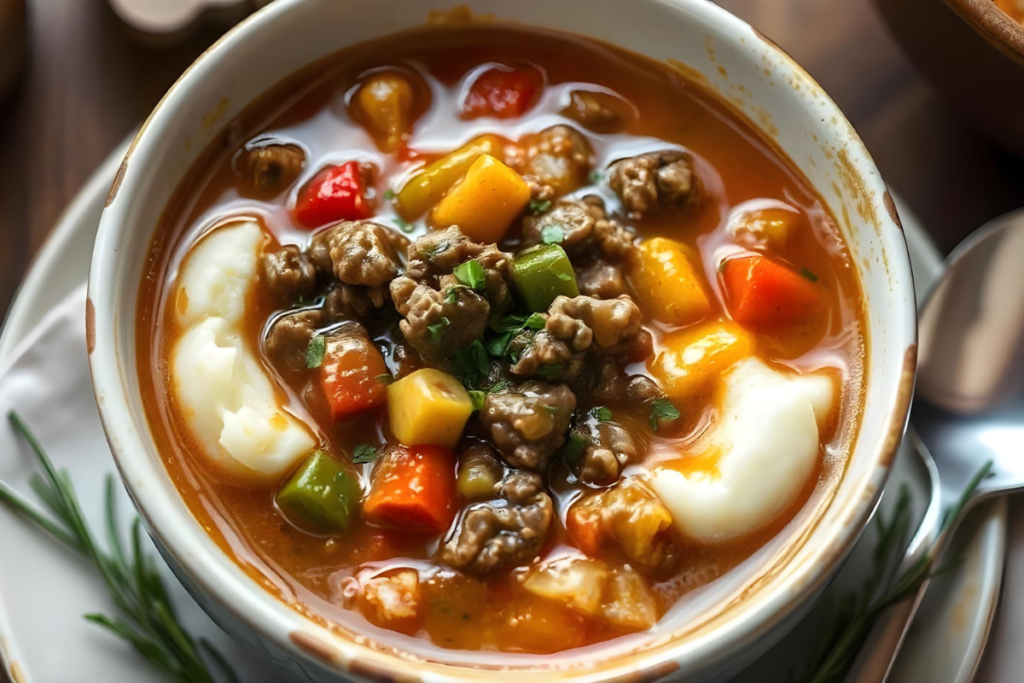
(12, 42)
(973, 53)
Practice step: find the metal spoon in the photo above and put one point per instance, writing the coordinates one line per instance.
(969, 403)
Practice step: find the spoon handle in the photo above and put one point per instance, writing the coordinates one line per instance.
(878, 654)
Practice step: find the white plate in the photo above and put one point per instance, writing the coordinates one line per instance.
(51, 643)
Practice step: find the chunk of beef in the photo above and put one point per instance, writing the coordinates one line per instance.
(612, 326)
(270, 165)
(644, 391)
(629, 518)
(607, 449)
(568, 224)
(405, 360)
(558, 156)
(498, 534)
(599, 278)
(442, 314)
(601, 112)
(654, 181)
(528, 423)
(289, 274)
(600, 379)
(357, 252)
(351, 302)
(287, 340)
(539, 191)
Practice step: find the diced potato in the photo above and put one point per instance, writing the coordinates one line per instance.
(384, 104)
(485, 202)
(766, 228)
(428, 407)
(388, 599)
(692, 357)
(427, 187)
(668, 284)
(541, 626)
(627, 515)
(577, 583)
(628, 601)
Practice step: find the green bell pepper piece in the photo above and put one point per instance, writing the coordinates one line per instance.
(542, 273)
(320, 496)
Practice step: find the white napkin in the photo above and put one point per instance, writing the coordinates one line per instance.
(44, 588)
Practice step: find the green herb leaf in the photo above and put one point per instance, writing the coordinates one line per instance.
(552, 234)
(149, 622)
(385, 378)
(315, 351)
(601, 414)
(550, 371)
(536, 206)
(478, 398)
(809, 274)
(497, 346)
(573, 449)
(500, 385)
(510, 323)
(364, 453)
(564, 277)
(438, 329)
(451, 294)
(471, 362)
(471, 274)
(662, 408)
(404, 226)
(596, 177)
(536, 321)
(389, 194)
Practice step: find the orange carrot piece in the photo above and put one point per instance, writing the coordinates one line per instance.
(764, 294)
(351, 375)
(414, 489)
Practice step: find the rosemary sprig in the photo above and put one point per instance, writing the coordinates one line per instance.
(149, 621)
(849, 617)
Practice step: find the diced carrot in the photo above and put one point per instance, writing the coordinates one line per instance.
(350, 375)
(764, 294)
(413, 489)
(504, 92)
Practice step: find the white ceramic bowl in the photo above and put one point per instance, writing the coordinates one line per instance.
(712, 631)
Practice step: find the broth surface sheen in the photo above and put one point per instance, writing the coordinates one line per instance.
(325, 575)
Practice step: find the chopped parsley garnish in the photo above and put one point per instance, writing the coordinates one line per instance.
(478, 398)
(536, 206)
(451, 294)
(536, 321)
(596, 177)
(315, 351)
(389, 194)
(364, 453)
(550, 371)
(385, 379)
(552, 234)
(471, 274)
(508, 327)
(472, 362)
(662, 408)
(438, 329)
(497, 346)
(601, 414)
(809, 274)
(404, 226)
(573, 449)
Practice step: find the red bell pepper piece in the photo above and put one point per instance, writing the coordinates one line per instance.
(413, 488)
(502, 92)
(764, 294)
(334, 194)
(350, 375)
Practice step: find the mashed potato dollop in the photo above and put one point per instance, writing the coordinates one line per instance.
(220, 385)
(767, 441)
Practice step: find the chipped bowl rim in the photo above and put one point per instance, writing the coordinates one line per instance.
(207, 569)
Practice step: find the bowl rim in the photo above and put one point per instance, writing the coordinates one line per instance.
(993, 24)
(262, 612)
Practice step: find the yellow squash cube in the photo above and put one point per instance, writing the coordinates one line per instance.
(692, 357)
(428, 407)
(485, 202)
(667, 283)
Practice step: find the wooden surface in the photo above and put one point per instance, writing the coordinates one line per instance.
(87, 83)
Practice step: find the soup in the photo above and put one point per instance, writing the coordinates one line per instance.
(496, 339)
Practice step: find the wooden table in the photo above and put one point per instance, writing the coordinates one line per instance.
(88, 83)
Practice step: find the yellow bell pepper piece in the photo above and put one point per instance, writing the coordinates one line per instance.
(384, 104)
(769, 227)
(667, 283)
(485, 202)
(426, 188)
(428, 407)
(692, 357)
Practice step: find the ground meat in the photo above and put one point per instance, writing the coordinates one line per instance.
(600, 279)
(539, 191)
(612, 326)
(600, 379)
(288, 339)
(568, 223)
(654, 181)
(351, 302)
(269, 165)
(601, 112)
(558, 156)
(441, 314)
(357, 252)
(288, 273)
(607, 449)
(495, 535)
(528, 423)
